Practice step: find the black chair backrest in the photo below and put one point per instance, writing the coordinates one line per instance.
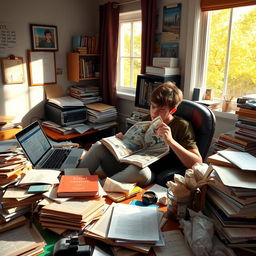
(203, 121)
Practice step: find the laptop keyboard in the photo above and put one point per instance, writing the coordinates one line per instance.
(57, 158)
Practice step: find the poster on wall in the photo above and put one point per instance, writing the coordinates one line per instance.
(7, 36)
(171, 21)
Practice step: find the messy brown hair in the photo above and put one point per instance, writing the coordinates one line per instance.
(167, 94)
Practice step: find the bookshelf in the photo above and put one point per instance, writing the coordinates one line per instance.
(82, 67)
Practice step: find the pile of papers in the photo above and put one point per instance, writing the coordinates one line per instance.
(12, 162)
(24, 240)
(231, 200)
(101, 115)
(22, 197)
(130, 226)
(86, 94)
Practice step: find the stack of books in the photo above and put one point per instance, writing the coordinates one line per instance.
(73, 214)
(87, 94)
(163, 66)
(101, 115)
(16, 202)
(231, 199)
(22, 197)
(243, 138)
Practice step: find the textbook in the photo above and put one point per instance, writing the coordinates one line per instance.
(78, 185)
(140, 145)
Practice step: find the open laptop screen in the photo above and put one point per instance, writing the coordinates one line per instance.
(34, 142)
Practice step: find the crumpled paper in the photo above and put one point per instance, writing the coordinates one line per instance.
(194, 178)
(199, 233)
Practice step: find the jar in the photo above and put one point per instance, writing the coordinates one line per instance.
(177, 206)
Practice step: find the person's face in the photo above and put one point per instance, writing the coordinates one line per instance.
(163, 112)
(48, 37)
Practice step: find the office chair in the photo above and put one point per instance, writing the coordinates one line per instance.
(203, 121)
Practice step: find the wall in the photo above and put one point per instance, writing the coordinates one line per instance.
(71, 17)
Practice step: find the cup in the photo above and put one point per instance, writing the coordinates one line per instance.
(177, 206)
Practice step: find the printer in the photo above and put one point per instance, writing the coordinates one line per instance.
(65, 116)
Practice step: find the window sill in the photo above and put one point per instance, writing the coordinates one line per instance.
(126, 96)
(225, 115)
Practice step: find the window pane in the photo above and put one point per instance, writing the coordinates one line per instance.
(137, 39)
(125, 48)
(218, 39)
(125, 74)
(136, 71)
(242, 66)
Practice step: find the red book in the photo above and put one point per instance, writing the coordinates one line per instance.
(78, 185)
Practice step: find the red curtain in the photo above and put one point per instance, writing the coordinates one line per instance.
(108, 44)
(149, 15)
(210, 5)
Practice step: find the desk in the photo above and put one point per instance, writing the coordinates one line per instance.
(51, 238)
(60, 137)
(9, 134)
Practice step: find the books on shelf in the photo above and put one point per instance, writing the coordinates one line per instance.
(87, 68)
(140, 145)
(78, 185)
(85, 44)
(165, 62)
(162, 71)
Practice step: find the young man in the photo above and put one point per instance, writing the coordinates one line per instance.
(177, 133)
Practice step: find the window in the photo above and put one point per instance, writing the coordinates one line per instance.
(129, 51)
(230, 64)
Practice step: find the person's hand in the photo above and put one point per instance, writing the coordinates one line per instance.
(164, 131)
(120, 136)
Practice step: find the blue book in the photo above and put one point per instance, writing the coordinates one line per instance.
(76, 42)
(39, 188)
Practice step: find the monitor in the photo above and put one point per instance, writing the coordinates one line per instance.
(146, 84)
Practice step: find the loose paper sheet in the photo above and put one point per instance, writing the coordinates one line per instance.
(135, 223)
(46, 176)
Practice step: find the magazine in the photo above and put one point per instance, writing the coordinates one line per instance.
(140, 146)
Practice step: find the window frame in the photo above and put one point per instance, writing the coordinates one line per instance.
(202, 51)
(131, 16)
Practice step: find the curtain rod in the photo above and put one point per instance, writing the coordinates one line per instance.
(128, 2)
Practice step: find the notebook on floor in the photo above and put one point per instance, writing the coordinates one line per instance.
(40, 152)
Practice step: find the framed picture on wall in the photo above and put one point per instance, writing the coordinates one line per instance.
(44, 37)
(42, 67)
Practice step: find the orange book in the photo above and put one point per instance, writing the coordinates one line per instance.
(78, 185)
(246, 114)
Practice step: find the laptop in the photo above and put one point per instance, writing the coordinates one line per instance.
(40, 152)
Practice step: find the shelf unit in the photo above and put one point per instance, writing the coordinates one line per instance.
(73, 62)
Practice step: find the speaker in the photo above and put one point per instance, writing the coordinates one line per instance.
(196, 94)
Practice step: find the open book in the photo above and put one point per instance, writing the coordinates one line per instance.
(140, 146)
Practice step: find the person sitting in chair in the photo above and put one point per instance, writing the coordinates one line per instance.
(177, 132)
